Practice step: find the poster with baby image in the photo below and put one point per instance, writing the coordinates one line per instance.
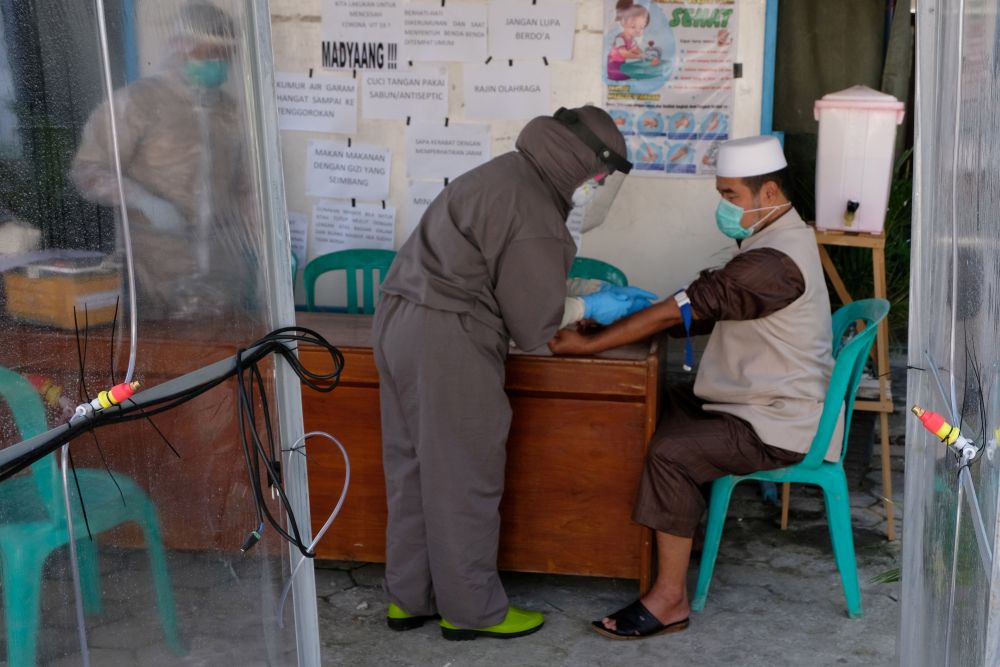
(668, 81)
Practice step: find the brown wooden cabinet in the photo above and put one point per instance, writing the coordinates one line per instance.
(574, 456)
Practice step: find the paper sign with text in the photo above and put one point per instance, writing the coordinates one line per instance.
(420, 91)
(362, 34)
(522, 29)
(339, 226)
(436, 151)
(499, 92)
(453, 33)
(298, 229)
(358, 172)
(575, 224)
(420, 196)
(320, 104)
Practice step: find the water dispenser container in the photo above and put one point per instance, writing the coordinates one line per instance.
(857, 137)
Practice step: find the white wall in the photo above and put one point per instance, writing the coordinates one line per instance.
(660, 231)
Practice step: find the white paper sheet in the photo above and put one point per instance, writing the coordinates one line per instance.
(362, 34)
(339, 226)
(316, 104)
(575, 225)
(453, 33)
(420, 92)
(498, 91)
(521, 29)
(358, 172)
(298, 230)
(434, 151)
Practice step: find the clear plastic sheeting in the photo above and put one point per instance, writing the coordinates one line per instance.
(951, 597)
(137, 139)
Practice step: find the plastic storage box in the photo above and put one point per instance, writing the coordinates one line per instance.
(49, 296)
(857, 137)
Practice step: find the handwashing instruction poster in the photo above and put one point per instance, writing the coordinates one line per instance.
(667, 68)
(420, 91)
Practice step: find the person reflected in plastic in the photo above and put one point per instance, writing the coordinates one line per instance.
(182, 176)
(759, 391)
(486, 265)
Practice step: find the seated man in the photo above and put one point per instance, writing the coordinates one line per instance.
(759, 391)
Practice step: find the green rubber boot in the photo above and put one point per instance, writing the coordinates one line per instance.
(517, 623)
(399, 620)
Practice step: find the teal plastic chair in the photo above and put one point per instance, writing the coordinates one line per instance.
(850, 362)
(295, 268)
(367, 261)
(595, 269)
(33, 525)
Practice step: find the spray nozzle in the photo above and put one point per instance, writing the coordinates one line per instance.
(945, 432)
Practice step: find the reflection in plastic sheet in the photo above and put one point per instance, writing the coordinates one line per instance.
(951, 607)
(167, 500)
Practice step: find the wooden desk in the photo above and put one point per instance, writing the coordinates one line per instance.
(574, 456)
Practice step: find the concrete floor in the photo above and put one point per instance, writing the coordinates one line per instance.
(775, 600)
(776, 597)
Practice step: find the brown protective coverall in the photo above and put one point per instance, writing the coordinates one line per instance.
(488, 263)
(184, 145)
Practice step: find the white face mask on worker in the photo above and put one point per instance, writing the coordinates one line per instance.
(583, 194)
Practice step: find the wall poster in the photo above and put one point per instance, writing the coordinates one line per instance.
(667, 68)
(362, 34)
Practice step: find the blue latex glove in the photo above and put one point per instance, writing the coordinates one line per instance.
(611, 303)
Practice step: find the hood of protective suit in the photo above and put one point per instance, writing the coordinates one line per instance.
(563, 160)
(494, 243)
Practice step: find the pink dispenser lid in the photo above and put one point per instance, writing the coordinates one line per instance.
(862, 98)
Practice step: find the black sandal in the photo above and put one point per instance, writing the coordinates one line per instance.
(637, 622)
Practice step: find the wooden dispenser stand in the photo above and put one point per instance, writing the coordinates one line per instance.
(883, 406)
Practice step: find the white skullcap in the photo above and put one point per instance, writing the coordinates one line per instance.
(751, 156)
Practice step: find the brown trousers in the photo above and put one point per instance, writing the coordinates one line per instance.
(690, 448)
(445, 419)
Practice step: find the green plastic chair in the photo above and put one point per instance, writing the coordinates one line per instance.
(368, 261)
(595, 269)
(33, 525)
(850, 362)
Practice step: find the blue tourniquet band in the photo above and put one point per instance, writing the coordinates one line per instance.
(684, 303)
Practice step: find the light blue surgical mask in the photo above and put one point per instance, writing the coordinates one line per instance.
(728, 217)
(207, 73)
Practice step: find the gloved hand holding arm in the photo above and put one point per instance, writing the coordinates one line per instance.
(660, 316)
(612, 303)
(573, 307)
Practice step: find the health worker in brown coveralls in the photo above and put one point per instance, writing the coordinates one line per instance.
(487, 264)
